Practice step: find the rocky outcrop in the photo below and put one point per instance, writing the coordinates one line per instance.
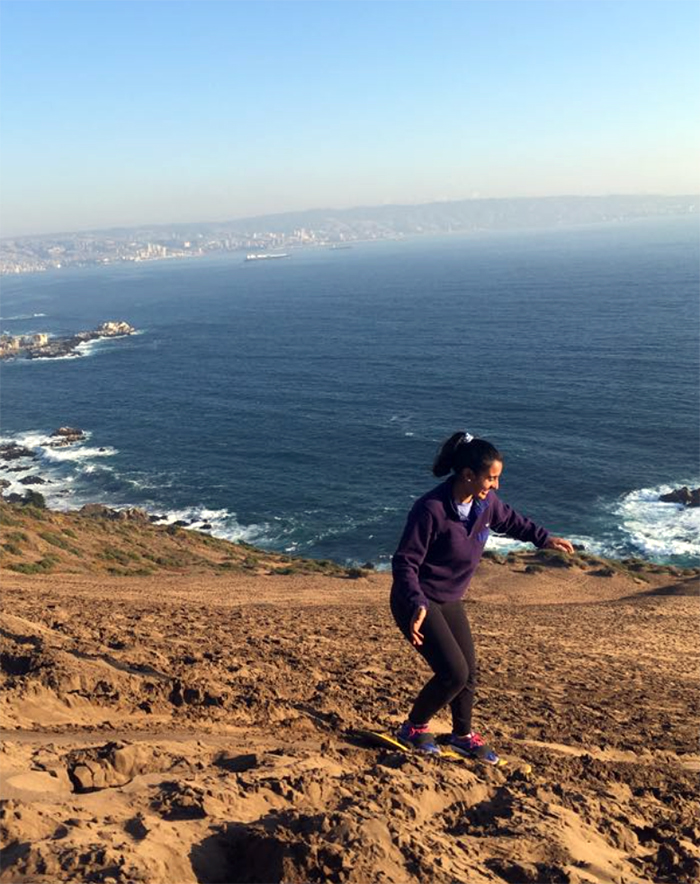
(114, 328)
(67, 436)
(683, 495)
(13, 451)
(43, 347)
(99, 511)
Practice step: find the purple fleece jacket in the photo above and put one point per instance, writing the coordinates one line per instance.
(438, 553)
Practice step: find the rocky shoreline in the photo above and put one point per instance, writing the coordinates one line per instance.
(16, 458)
(41, 346)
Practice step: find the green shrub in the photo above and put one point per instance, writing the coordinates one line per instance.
(57, 540)
(34, 499)
(17, 536)
(554, 558)
(7, 519)
(112, 553)
(229, 566)
(40, 567)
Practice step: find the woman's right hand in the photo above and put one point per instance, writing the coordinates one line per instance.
(416, 623)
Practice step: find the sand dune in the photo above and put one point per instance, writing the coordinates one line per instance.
(200, 728)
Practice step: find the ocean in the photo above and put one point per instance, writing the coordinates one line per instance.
(298, 404)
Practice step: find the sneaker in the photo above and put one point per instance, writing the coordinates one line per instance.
(473, 746)
(417, 736)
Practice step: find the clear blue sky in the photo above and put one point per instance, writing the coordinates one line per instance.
(157, 111)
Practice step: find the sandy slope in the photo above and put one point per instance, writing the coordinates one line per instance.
(198, 727)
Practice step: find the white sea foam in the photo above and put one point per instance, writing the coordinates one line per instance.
(77, 452)
(503, 545)
(73, 355)
(29, 439)
(72, 471)
(660, 530)
(22, 316)
(61, 468)
(223, 523)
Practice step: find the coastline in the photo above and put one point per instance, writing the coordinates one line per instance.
(70, 471)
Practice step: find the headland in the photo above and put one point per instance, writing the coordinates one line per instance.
(44, 346)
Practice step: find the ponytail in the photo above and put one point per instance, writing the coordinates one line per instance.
(462, 451)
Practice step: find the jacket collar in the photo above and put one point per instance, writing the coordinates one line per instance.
(478, 506)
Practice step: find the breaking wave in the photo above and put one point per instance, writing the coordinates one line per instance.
(657, 530)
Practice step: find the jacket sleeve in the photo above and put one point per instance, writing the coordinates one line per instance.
(409, 556)
(505, 520)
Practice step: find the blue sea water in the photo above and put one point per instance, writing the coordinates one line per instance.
(298, 404)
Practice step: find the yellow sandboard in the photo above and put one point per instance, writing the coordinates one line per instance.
(387, 741)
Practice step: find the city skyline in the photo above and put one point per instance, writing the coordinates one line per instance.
(135, 113)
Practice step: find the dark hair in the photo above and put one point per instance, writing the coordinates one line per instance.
(457, 454)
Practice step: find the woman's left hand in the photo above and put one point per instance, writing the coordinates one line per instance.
(560, 544)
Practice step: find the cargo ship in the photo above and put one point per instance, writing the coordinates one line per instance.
(266, 256)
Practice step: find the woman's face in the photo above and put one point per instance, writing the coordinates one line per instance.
(481, 483)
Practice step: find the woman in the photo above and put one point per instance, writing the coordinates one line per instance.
(439, 551)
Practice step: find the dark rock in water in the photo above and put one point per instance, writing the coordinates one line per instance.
(683, 495)
(206, 527)
(67, 436)
(4, 483)
(32, 480)
(13, 451)
(181, 523)
(68, 431)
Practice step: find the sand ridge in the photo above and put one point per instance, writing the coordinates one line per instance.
(199, 727)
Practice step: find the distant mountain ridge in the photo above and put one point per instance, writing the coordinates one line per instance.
(445, 216)
(496, 213)
(328, 227)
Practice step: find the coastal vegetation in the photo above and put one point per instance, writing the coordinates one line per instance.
(96, 539)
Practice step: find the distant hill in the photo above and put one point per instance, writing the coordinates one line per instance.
(436, 217)
(475, 214)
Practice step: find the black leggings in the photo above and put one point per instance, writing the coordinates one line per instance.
(448, 649)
